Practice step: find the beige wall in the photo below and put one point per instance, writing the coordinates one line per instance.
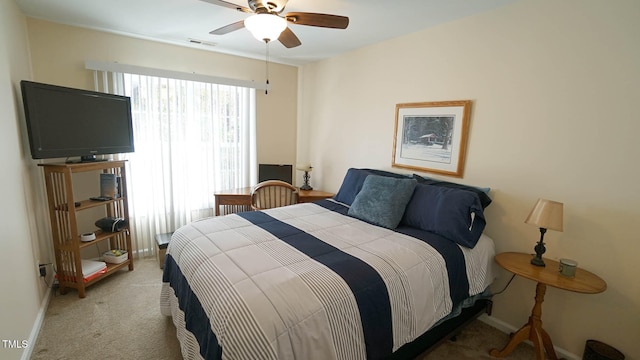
(23, 290)
(555, 89)
(59, 52)
(553, 85)
(53, 53)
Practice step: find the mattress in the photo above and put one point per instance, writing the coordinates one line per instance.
(309, 282)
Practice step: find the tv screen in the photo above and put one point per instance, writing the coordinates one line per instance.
(275, 172)
(64, 122)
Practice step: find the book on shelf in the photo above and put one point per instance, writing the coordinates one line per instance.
(91, 269)
(119, 186)
(108, 185)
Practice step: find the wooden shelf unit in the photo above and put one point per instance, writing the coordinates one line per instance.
(64, 221)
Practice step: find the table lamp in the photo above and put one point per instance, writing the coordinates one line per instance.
(307, 169)
(546, 214)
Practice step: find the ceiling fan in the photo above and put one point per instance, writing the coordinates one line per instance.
(267, 23)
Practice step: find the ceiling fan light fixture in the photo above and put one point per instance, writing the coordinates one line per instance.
(265, 27)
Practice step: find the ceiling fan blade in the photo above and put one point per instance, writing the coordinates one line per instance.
(229, 28)
(320, 20)
(289, 39)
(229, 5)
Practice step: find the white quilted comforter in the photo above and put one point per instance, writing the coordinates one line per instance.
(307, 282)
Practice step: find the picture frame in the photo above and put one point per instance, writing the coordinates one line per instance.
(432, 136)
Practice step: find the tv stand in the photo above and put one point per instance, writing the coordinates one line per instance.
(68, 244)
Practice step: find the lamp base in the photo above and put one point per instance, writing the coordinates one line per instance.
(537, 261)
(539, 249)
(306, 185)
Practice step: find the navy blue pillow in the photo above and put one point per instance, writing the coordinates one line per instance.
(389, 174)
(353, 180)
(351, 185)
(382, 200)
(485, 200)
(455, 214)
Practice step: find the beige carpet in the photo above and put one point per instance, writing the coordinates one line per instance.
(120, 319)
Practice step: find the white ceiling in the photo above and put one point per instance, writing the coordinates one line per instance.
(178, 21)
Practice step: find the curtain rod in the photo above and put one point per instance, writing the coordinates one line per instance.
(141, 70)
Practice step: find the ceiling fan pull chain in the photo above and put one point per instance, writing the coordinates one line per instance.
(266, 90)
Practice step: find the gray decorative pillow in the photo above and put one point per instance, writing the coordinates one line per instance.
(382, 200)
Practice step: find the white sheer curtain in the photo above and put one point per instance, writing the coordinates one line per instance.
(191, 139)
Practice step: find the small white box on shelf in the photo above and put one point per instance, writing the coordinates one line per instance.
(115, 256)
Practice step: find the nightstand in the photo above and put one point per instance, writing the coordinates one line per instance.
(519, 264)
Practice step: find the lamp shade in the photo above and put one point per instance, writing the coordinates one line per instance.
(265, 27)
(546, 214)
(304, 167)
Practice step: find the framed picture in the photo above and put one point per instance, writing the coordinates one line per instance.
(432, 136)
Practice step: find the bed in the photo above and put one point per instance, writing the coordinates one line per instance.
(393, 262)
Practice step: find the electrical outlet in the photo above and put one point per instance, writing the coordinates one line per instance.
(43, 270)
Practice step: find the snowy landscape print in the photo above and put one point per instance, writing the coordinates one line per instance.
(427, 138)
(431, 136)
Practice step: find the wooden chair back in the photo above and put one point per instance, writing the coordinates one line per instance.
(273, 193)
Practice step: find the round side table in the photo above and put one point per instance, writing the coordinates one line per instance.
(519, 263)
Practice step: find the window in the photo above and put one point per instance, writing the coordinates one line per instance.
(191, 139)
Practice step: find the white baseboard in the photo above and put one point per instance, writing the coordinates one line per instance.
(508, 329)
(33, 337)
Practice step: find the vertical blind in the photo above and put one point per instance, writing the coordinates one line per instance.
(191, 139)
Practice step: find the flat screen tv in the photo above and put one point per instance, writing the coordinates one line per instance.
(275, 172)
(64, 122)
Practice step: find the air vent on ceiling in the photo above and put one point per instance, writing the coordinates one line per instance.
(201, 42)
